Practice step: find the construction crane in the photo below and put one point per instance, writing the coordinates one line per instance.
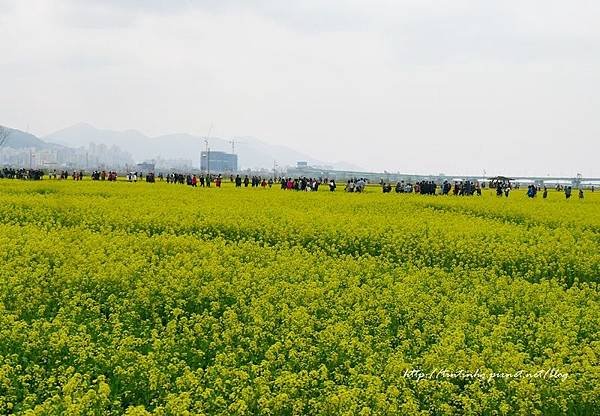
(233, 142)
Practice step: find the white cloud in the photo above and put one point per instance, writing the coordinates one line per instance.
(424, 85)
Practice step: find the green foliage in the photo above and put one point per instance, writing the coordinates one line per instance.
(119, 298)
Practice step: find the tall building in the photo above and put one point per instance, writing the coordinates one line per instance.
(218, 162)
(145, 167)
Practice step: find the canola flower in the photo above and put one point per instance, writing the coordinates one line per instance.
(120, 298)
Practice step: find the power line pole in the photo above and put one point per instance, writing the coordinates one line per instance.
(207, 148)
(207, 162)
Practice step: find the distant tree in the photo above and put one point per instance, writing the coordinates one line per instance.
(4, 133)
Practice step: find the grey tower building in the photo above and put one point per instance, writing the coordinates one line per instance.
(218, 162)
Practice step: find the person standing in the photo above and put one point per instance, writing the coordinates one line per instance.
(567, 192)
(332, 186)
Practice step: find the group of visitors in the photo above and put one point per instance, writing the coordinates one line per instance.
(356, 185)
(132, 176)
(300, 184)
(461, 188)
(430, 188)
(105, 176)
(76, 175)
(532, 191)
(503, 188)
(191, 179)
(404, 188)
(135, 176)
(568, 191)
(175, 178)
(466, 188)
(297, 184)
(25, 174)
(254, 181)
(426, 187)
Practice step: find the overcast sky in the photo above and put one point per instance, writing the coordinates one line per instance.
(421, 86)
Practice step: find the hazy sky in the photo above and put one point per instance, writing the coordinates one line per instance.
(424, 86)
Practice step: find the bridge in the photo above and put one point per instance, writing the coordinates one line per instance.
(338, 175)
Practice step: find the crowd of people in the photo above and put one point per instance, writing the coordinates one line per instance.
(191, 179)
(431, 188)
(307, 184)
(469, 188)
(104, 175)
(76, 175)
(297, 184)
(356, 185)
(533, 190)
(26, 174)
(254, 181)
(301, 184)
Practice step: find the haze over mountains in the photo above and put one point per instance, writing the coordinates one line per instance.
(252, 153)
(24, 150)
(18, 139)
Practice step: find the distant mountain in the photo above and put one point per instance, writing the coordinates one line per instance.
(18, 139)
(15, 151)
(252, 153)
(82, 134)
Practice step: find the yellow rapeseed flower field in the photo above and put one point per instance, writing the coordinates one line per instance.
(135, 298)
